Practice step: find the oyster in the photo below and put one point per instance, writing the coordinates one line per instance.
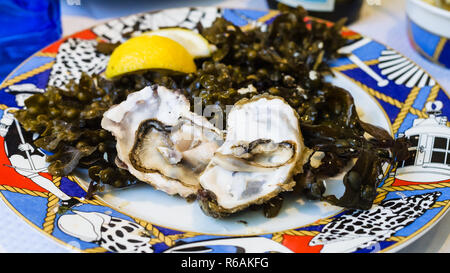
(160, 141)
(262, 151)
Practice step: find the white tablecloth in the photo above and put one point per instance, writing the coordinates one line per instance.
(384, 22)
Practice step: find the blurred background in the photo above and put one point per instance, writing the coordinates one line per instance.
(26, 26)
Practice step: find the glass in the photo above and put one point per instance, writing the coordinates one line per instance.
(414, 140)
(440, 143)
(438, 157)
(26, 26)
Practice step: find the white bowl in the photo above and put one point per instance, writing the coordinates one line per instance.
(429, 30)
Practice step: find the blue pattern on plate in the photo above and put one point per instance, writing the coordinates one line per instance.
(29, 206)
(422, 97)
(31, 64)
(35, 208)
(71, 188)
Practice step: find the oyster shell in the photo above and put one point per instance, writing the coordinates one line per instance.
(262, 151)
(160, 141)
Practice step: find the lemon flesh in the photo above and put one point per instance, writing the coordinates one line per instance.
(193, 42)
(149, 52)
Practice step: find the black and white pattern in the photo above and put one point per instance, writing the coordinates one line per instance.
(360, 229)
(111, 233)
(23, 91)
(74, 57)
(124, 236)
(117, 30)
(349, 51)
(401, 70)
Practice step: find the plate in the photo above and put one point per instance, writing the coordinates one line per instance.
(389, 90)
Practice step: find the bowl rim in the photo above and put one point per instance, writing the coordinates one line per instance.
(431, 8)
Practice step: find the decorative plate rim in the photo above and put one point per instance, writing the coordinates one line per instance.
(394, 247)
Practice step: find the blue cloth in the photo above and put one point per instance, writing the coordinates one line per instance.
(26, 26)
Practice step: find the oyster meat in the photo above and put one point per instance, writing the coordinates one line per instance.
(160, 141)
(262, 151)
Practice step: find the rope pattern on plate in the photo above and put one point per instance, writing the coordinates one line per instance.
(438, 49)
(169, 240)
(53, 204)
(353, 66)
(405, 109)
(173, 238)
(433, 94)
(52, 208)
(378, 94)
(23, 191)
(440, 204)
(158, 234)
(27, 75)
(160, 237)
(420, 113)
(382, 193)
(262, 19)
(46, 54)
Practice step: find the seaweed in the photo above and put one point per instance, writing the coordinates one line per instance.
(68, 123)
(288, 58)
(336, 130)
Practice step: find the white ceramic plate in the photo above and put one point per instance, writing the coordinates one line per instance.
(389, 90)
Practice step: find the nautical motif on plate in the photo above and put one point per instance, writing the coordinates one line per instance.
(401, 70)
(393, 66)
(348, 50)
(111, 233)
(25, 172)
(418, 181)
(356, 230)
(412, 196)
(359, 229)
(118, 30)
(76, 56)
(430, 148)
(24, 163)
(23, 91)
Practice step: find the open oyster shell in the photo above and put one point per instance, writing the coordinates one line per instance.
(262, 151)
(160, 141)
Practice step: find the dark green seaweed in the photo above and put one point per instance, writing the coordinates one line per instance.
(288, 59)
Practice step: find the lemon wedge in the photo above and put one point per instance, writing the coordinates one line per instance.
(194, 43)
(149, 52)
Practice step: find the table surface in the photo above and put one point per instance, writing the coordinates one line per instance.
(389, 18)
